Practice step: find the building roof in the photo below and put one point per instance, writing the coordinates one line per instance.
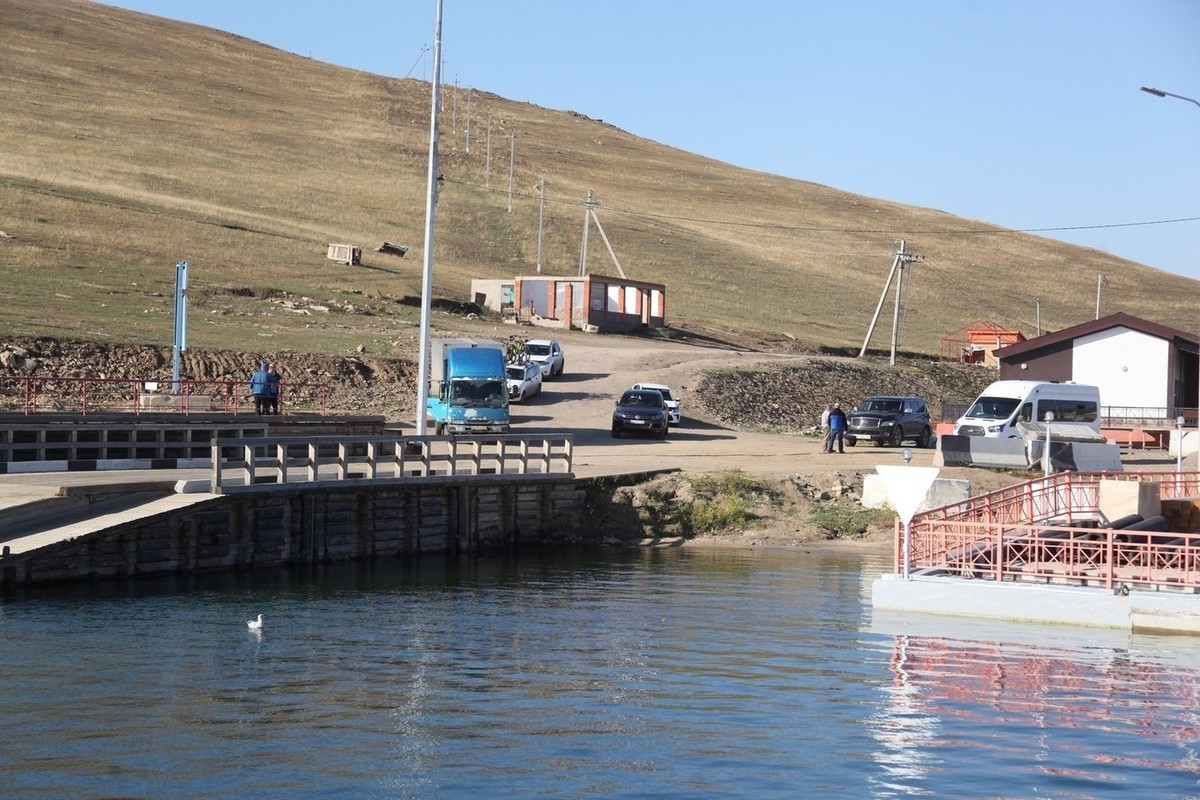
(1118, 320)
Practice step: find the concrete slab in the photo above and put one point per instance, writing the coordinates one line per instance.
(1159, 612)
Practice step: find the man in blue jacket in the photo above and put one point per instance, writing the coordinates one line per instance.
(837, 428)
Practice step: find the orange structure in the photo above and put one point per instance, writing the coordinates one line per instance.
(978, 342)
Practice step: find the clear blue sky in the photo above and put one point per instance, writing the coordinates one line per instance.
(1021, 113)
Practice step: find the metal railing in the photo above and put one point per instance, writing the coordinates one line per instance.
(1051, 529)
(32, 395)
(255, 463)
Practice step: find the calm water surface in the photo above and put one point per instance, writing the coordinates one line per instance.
(678, 673)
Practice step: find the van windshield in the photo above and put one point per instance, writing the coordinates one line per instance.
(993, 407)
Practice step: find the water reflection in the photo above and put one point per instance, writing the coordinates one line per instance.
(1088, 710)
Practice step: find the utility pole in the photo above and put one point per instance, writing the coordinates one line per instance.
(468, 121)
(487, 170)
(901, 260)
(512, 155)
(587, 210)
(1038, 302)
(589, 216)
(1100, 281)
(541, 185)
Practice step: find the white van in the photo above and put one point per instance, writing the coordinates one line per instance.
(1003, 404)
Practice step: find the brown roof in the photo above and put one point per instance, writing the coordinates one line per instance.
(1118, 320)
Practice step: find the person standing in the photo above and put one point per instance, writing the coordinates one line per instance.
(260, 387)
(273, 389)
(826, 439)
(837, 428)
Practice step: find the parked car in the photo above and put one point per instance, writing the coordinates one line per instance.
(524, 381)
(547, 354)
(890, 420)
(674, 415)
(640, 411)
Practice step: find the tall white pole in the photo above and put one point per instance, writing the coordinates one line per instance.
(430, 206)
(181, 292)
(512, 154)
(541, 222)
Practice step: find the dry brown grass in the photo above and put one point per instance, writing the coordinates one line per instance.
(131, 143)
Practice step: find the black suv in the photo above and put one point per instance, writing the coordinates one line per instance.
(890, 420)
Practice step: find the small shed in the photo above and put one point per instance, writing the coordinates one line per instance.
(346, 254)
(978, 342)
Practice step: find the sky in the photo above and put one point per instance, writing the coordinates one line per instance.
(1022, 113)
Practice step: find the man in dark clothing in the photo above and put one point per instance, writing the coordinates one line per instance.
(260, 387)
(837, 428)
(273, 388)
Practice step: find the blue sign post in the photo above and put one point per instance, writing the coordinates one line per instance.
(181, 283)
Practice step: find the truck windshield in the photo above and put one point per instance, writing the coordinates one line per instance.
(993, 407)
(477, 393)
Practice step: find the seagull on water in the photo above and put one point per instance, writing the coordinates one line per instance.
(255, 624)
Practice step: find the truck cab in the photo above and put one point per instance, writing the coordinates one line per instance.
(472, 391)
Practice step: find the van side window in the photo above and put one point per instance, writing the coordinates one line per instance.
(1026, 413)
(1072, 410)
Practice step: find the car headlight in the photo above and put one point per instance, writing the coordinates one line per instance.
(887, 423)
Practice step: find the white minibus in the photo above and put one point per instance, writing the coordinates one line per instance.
(996, 412)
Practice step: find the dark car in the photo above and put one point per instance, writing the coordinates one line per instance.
(640, 411)
(890, 420)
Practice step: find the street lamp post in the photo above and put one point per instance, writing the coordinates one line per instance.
(1161, 93)
(1179, 444)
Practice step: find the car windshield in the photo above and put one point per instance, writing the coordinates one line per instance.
(537, 349)
(889, 405)
(651, 399)
(993, 407)
(516, 373)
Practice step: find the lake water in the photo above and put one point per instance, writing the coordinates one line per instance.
(625, 674)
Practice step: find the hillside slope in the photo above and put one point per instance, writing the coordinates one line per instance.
(136, 142)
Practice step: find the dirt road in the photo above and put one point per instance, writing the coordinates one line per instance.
(599, 369)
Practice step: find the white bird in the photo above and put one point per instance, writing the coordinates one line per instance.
(255, 624)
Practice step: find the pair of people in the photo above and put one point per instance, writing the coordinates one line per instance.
(264, 387)
(833, 428)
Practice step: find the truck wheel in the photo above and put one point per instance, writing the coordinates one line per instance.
(897, 437)
(440, 429)
(926, 439)
(616, 432)
(663, 435)
(851, 441)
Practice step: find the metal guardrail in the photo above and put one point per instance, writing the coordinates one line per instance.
(32, 395)
(1046, 529)
(264, 462)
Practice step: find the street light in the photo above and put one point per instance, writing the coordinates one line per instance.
(1179, 444)
(1161, 93)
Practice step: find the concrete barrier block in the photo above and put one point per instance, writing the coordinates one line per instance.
(943, 492)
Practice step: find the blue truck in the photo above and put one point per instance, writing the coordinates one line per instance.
(470, 392)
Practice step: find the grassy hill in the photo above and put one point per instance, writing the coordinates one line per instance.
(132, 142)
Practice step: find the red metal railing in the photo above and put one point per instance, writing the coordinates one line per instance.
(1045, 529)
(31, 395)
